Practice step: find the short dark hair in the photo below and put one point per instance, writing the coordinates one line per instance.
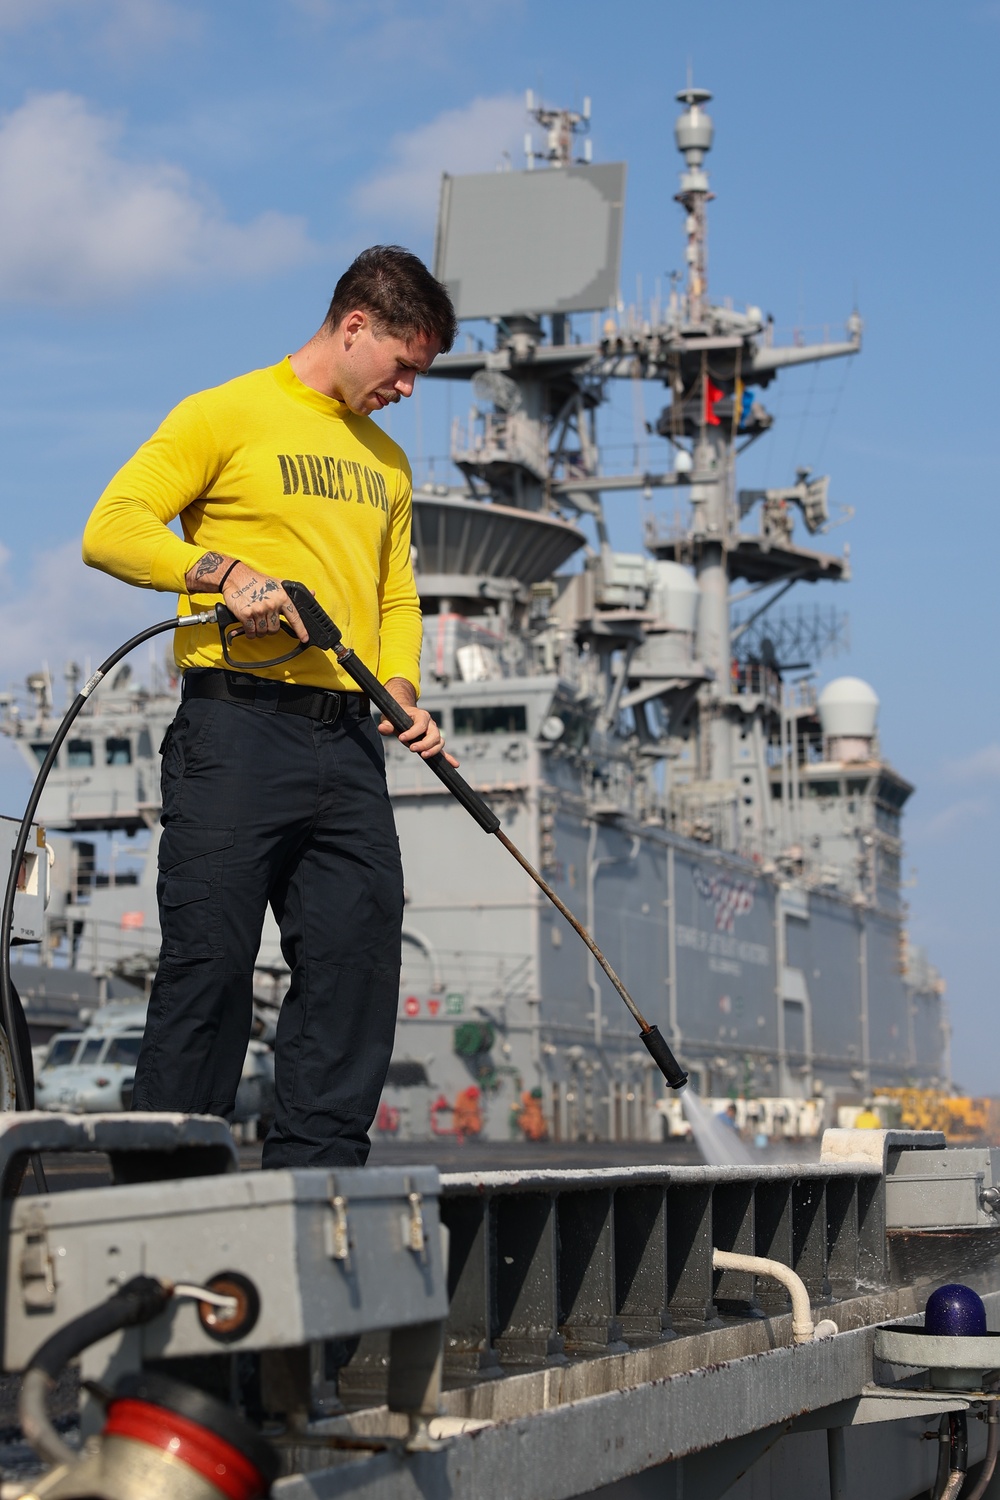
(396, 290)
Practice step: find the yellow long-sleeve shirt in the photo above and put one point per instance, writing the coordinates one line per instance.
(290, 481)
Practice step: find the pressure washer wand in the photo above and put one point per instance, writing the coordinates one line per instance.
(326, 635)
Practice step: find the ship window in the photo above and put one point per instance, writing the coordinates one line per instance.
(406, 1075)
(80, 753)
(124, 1049)
(857, 786)
(118, 752)
(492, 718)
(890, 793)
(40, 750)
(144, 749)
(824, 788)
(62, 1051)
(91, 1050)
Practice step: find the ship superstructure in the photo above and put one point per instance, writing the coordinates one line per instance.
(731, 837)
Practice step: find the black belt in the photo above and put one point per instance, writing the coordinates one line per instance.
(249, 691)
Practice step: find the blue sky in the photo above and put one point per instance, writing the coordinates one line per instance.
(181, 182)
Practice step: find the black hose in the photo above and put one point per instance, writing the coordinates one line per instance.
(138, 1301)
(958, 1457)
(11, 1011)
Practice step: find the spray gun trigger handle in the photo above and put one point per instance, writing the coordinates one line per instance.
(322, 630)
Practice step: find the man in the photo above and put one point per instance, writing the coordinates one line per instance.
(273, 778)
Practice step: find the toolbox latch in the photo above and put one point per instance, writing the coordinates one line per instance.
(37, 1269)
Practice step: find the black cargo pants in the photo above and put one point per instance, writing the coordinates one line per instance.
(262, 806)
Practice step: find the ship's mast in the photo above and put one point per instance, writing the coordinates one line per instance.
(693, 133)
(536, 451)
(711, 450)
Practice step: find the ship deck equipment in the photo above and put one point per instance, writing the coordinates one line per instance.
(542, 1333)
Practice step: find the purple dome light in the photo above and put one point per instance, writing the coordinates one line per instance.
(955, 1309)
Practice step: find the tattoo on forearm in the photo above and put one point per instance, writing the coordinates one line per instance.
(207, 565)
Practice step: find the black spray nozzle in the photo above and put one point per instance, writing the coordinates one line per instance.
(664, 1059)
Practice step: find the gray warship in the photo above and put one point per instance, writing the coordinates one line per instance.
(647, 724)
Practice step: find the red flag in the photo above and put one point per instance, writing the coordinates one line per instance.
(712, 395)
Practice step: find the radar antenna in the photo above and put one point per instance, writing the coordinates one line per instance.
(563, 126)
(693, 133)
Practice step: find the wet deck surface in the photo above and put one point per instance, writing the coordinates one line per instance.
(69, 1172)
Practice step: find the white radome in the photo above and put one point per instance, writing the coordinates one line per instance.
(848, 708)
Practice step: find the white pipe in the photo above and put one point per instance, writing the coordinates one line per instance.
(803, 1328)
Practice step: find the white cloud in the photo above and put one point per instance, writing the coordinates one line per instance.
(60, 609)
(472, 139)
(118, 24)
(981, 765)
(83, 223)
(955, 819)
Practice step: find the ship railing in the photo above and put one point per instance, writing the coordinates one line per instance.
(802, 694)
(500, 438)
(660, 530)
(102, 945)
(754, 680)
(463, 982)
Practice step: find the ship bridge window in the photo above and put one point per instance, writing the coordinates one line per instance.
(857, 786)
(62, 1051)
(118, 752)
(891, 793)
(40, 750)
(80, 753)
(824, 788)
(124, 1049)
(91, 1050)
(492, 718)
(887, 821)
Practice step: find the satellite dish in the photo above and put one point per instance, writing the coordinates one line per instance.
(491, 385)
